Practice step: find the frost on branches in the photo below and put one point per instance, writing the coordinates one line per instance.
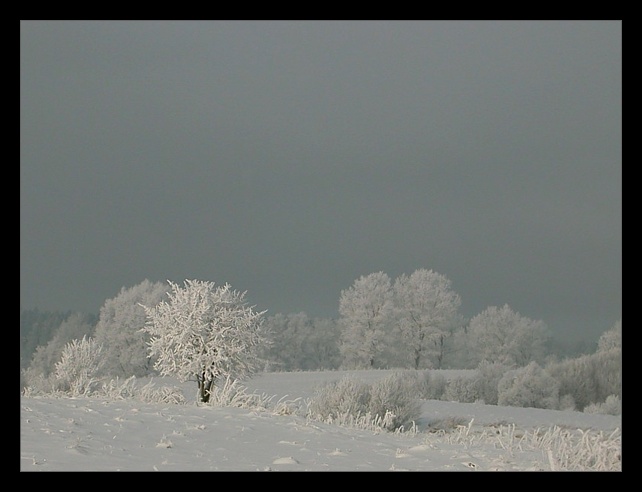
(79, 365)
(204, 332)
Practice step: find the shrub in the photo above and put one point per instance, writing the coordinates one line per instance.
(590, 378)
(150, 393)
(35, 382)
(346, 395)
(490, 374)
(612, 406)
(388, 403)
(395, 394)
(232, 394)
(567, 402)
(115, 389)
(77, 370)
(529, 386)
(462, 389)
(430, 385)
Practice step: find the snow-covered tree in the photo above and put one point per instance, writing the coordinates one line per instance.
(37, 328)
(204, 332)
(79, 366)
(611, 338)
(287, 333)
(322, 346)
(119, 329)
(43, 360)
(299, 342)
(590, 378)
(365, 310)
(427, 314)
(528, 386)
(503, 336)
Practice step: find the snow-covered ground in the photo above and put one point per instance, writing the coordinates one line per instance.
(90, 434)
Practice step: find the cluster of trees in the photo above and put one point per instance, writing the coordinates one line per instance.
(590, 382)
(55, 335)
(201, 331)
(415, 322)
(37, 328)
(198, 331)
(412, 322)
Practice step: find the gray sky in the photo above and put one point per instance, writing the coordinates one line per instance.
(289, 158)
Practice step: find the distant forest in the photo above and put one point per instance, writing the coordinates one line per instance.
(38, 328)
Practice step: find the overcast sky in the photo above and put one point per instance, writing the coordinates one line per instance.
(289, 158)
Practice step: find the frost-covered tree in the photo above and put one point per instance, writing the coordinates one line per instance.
(119, 329)
(592, 378)
(528, 386)
(503, 336)
(43, 361)
(322, 346)
(490, 373)
(37, 328)
(365, 310)
(287, 333)
(611, 338)
(204, 332)
(79, 366)
(427, 313)
(299, 342)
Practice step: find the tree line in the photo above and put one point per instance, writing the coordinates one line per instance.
(202, 331)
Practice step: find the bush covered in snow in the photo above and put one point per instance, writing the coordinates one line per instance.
(589, 378)
(611, 406)
(490, 373)
(79, 366)
(389, 403)
(462, 389)
(529, 386)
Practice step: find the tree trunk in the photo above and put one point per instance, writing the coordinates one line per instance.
(440, 355)
(204, 389)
